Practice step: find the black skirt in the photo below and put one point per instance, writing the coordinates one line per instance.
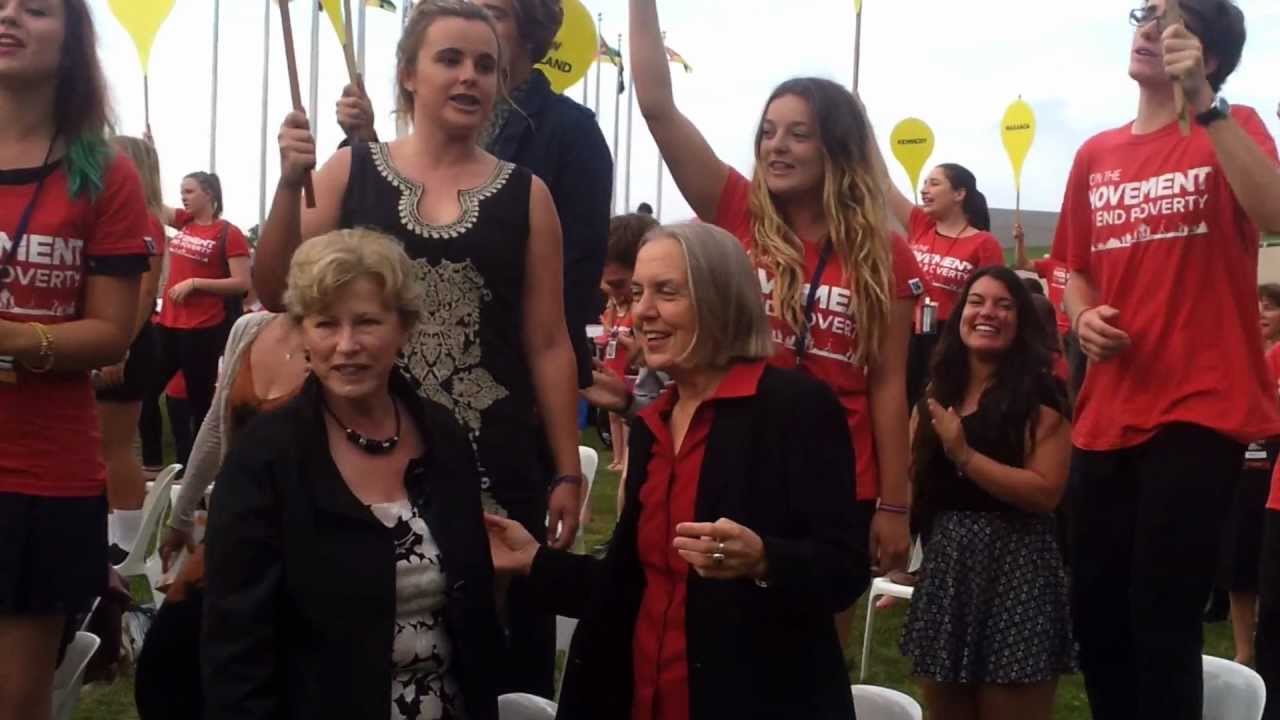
(53, 553)
(992, 605)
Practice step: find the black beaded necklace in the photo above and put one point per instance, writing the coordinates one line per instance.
(364, 442)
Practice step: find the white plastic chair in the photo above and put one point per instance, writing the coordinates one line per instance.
(521, 706)
(878, 703)
(1232, 691)
(138, 561)
(565, 627)
(69, 677)
(881, 587)
(588, 460)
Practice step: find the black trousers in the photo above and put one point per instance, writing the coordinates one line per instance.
(1268, 638)
(1147, 524)
(531, 633)
(195, 353)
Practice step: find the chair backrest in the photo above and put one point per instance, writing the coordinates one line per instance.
(1232, 691)
(70, 674)
(153, 508)
(878, 703)
(521, 706)
(589, 459)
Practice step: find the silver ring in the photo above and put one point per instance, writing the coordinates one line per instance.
(717, 558)
(720, 548)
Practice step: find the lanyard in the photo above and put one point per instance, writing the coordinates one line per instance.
(802, 337)
(24, 220)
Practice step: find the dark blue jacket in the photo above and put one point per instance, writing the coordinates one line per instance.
(560, 141)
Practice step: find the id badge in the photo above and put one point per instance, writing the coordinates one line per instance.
(8, 370)
(928, 318)
(611, 350)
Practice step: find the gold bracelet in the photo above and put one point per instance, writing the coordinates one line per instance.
(46, 349)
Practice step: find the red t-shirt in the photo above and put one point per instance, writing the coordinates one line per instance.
(833, 340)
(1154, 223)
(621, 360)
(1273, 364)
(1055, 274)
(660, 656)
(947, 262)
(51, 443)
(196, 252)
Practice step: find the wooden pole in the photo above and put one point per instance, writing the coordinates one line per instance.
(348, 45)
(308, 188)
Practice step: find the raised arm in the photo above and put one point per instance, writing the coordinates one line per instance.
(698, 173)
(899, 205)
(289, 223)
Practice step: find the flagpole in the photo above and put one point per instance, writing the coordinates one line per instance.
(364, 9)
(617, 114)
(314, 107)
(657, 206)
(213, 104)
(266, 78)
(857, 47)
(631, 95)
(599, 65)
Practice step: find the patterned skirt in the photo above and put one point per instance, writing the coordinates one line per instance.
(991, 606)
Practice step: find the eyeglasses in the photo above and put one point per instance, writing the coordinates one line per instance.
(1145, 14)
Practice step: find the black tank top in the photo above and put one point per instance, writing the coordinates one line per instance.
(467, 353)
(945, 488)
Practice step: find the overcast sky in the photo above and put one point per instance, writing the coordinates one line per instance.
(956, 65)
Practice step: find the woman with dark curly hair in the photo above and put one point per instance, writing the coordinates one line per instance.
(989, 630)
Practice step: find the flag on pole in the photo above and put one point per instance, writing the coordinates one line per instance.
(613, 56)
(333, 8)
(381, 5)
(609, 54)
(678, 59)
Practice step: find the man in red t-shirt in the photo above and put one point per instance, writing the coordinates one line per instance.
(1160, 231)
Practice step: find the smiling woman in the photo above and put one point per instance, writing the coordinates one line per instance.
(63, 312)
(485, 240)
(382, 493)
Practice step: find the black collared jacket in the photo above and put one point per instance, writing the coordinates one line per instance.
(300, 605)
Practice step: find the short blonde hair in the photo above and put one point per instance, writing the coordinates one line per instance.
(732, 325)
(325, 263)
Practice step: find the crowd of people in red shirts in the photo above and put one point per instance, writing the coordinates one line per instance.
(814, 377)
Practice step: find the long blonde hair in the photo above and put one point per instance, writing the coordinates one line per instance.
(854, 208)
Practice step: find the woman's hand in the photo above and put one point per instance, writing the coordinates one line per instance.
(950, 431)
(511, 546)
(174, 542)
(722, 550)
(297, 150)
(890, 542)
(183, 290)
(607, 391)
(111, 376)
(355, 115)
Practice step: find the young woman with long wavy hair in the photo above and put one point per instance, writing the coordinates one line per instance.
(838, 287)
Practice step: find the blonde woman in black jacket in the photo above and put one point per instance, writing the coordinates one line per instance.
(738, 541)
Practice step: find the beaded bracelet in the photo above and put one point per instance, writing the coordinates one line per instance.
(46, 349)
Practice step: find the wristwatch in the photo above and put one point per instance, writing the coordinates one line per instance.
(1219, 110)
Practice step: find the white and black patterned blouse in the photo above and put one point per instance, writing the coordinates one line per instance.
(422, 685)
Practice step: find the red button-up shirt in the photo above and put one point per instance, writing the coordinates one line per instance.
(660, 648)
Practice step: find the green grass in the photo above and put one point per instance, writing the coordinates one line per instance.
(886, 668)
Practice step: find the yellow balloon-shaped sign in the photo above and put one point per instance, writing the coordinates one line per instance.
(1018, 131)
(857, 6)
(912, 142)
(142, 19)
(574, 48)
(333, 9)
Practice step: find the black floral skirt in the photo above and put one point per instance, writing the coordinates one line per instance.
(992, 603)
